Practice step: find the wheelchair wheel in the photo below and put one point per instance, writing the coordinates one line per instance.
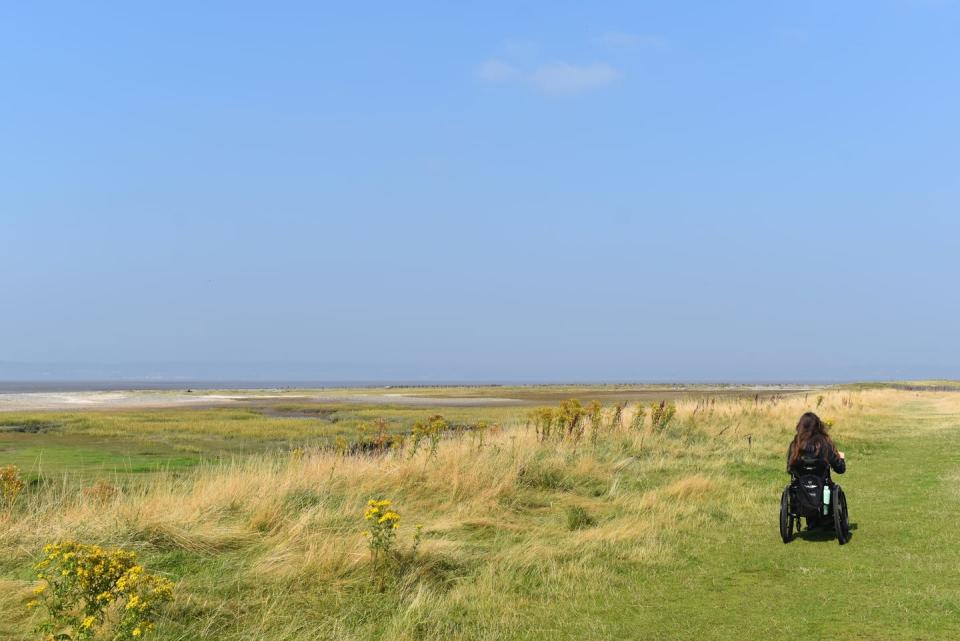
(841, 522)
(786, 519)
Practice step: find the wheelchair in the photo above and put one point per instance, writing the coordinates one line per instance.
(804, 498)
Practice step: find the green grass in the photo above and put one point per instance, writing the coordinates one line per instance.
(895, 580)
(53, 454)
(124, 441)
(662, 536)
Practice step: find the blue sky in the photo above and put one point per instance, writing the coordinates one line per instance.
(484, 191)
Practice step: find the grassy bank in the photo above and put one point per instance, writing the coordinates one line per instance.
(111, 442)
(628, 532)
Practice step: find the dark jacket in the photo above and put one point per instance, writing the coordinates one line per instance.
(826, 453)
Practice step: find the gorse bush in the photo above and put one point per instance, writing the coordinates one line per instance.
(11, 484)
(89, 592)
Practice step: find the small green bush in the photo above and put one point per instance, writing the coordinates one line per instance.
(540, 476)
(578, 518)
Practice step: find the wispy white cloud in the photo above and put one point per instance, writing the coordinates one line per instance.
(520, 63)
(494, 70)
(552, 78)
(563, 77)
(623, 40)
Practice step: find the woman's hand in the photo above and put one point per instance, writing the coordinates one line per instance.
(841, 455)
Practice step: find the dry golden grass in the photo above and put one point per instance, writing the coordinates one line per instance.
(288, 529)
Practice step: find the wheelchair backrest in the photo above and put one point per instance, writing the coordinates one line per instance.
(809, 477)
(811, 466)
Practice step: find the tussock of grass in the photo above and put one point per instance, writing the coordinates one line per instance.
(690, 488)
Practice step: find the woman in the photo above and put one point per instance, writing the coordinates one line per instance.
(813, 442)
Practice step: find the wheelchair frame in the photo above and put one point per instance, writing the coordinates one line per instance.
(790, 513)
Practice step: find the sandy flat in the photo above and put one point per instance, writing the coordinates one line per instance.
(68, 401)
(31, 401)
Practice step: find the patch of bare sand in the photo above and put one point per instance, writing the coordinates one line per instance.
(69, 401)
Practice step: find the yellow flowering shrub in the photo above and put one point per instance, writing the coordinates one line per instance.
(11, 484)
(566, 421)
(542, 419)
(89, 592)
(637, 422)
(478, 431)
(594, 413)
(382, 523)
(432, 429)
(662, 413)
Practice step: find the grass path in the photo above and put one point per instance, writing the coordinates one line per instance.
(899, 578)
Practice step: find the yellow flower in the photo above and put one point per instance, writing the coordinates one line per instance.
(87, 622)
(390, 516)
(136, 632)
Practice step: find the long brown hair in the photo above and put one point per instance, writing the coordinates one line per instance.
(811, 433)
